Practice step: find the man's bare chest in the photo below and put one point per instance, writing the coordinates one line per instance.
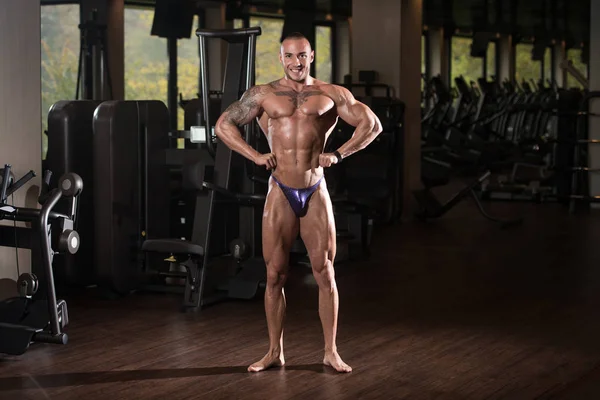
(287, 103)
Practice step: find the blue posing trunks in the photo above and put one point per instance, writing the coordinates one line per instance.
(298, 198)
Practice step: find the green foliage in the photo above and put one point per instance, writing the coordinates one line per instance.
(462, 63)
(268, 67)
(471, 68)
(525, 68)
(60, 55)
(238, 23)
(146, 58)
(188, 64)
(574, 55)
(323, 53)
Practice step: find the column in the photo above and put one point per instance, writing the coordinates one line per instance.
(438, 54)
(116, 47)
(343, 50)
(507, 58)
(559, 54)
(387, 39)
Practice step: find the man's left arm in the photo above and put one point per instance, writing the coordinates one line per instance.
(358, 115)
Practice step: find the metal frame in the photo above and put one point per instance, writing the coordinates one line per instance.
(241, 42)
(42, 253)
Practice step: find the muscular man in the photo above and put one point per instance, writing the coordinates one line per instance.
(297, 113)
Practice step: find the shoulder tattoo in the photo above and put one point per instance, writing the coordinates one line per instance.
(242, 110)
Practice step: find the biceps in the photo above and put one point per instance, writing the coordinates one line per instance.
(356, 114)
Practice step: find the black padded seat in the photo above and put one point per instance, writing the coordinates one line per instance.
(172, 246)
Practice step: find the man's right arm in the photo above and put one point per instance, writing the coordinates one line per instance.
(241, 112)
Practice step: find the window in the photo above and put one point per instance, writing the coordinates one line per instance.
(490, 61)
(323, 53)
(423, 55)
(462, 63)
(424, 78)
(146, 58)
(574, 55)
(60, 58)
(188, 70)
(548, 66)
(525, 68)
(268, 67)
(423, 66)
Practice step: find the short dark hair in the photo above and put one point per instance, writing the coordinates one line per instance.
(294, 35)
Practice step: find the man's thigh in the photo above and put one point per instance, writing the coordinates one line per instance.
(279, 227)
(317, 229)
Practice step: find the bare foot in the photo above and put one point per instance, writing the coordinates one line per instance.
(272, 359)
(333, 360)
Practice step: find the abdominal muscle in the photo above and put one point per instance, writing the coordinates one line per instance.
(297, 145)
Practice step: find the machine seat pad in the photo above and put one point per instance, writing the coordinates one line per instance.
(172, 246)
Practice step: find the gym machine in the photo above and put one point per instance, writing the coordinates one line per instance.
(580, 198)
(131, 189)
(431, 208)
(70, 149)
(366, 188)
(371, 180)
(523, 134)
(35, 314)
(234, 197)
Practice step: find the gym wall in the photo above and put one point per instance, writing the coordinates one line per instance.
(20, 109)
(366, 32)
(398, 29)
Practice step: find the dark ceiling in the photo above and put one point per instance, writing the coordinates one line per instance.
(547, 19)
(567, 20)
(337, 8)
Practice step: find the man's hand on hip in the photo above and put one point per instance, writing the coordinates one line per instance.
(327, 160)
(268, 160)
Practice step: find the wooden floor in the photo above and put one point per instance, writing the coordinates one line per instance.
(452, 309)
